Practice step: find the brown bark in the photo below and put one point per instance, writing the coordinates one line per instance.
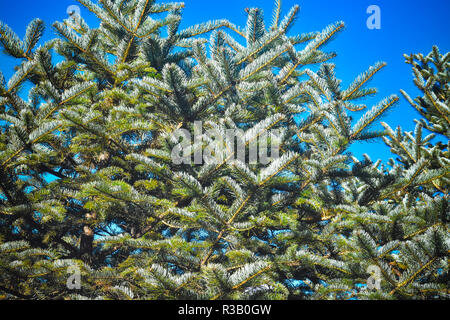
(87, 239)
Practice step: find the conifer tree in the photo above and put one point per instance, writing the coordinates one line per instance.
(393, 219)
(89, 182)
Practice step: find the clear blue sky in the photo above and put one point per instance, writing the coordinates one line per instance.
(407, 26)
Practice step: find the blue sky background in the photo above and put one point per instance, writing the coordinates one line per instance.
(407, 26)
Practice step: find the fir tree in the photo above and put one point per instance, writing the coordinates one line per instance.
(394, 218)
(89, 182)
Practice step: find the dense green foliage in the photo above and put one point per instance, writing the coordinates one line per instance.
(87, 180)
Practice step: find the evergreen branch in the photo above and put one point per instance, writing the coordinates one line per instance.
(417, 170)
(127, 50)
(276, 15)
(75, 92)
(322, 38)
(308, 124)
(421, 231)
(260, 45)
(410, 279)
(143, 4)
(20, 75)
(354, 108)
(247, 140)
(290, 17)
(33, 34)
(52, 128)
(235, 29)
(412, 103)
(13, 156)
(263, 62)
(289, 73)
(427, 93)
(319, 83)
(222, 232)
(11, 42)
(203, 28)
(392, 136)
(399, 143)
(114, 16)
(370, 116)
(362, 79)
(288, 159)
(15, 293)
(218, 296)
